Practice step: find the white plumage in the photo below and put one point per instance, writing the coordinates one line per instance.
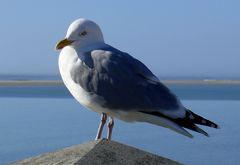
(114, 83)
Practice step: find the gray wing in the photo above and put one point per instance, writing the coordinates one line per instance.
(123, 82)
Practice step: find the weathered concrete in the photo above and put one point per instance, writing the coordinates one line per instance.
(100, 152)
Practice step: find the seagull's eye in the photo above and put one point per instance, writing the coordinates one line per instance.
(83, 33)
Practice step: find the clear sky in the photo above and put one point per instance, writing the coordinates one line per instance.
(172, 37)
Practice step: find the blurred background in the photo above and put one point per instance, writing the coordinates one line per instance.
(176, 39)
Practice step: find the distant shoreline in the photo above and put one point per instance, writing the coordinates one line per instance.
(207, 82)
(9, 83)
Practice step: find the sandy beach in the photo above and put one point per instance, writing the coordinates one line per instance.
(199, 82)
(8, 83)
(167, 82)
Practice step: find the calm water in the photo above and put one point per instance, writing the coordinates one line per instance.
(35, 120)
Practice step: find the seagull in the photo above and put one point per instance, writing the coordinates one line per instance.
(116, 85)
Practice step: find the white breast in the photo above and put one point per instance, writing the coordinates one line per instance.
(68, 58)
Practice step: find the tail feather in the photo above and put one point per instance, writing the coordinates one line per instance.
(189, 121)
(193, 127)
(165, 122)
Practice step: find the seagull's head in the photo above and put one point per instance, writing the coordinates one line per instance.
(81, 33)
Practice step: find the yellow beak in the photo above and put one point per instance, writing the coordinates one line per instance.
(61, 44)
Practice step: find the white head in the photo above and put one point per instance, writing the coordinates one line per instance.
(81, 33)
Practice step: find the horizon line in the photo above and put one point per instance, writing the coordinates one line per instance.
(8, 83)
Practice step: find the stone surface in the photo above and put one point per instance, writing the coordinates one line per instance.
(100, 152)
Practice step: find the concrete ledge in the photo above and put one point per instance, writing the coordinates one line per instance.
(100, 152)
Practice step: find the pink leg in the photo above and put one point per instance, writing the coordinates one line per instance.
(101, 125)
(110, 128)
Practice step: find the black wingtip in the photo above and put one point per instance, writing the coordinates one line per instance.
(218, 127)
(200, 120)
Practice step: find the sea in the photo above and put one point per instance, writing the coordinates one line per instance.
(36, 120)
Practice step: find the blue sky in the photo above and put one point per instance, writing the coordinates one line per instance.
(173, 38)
